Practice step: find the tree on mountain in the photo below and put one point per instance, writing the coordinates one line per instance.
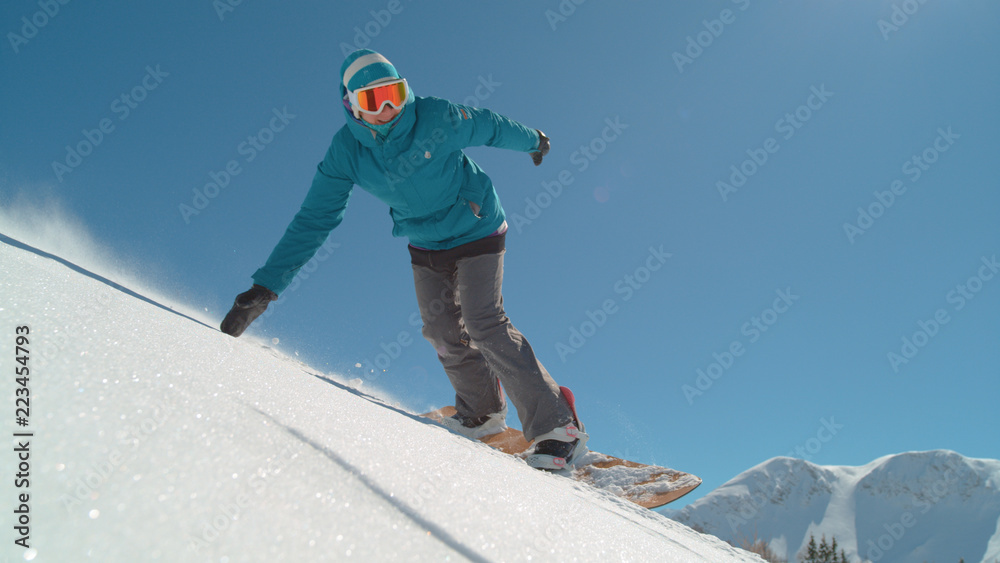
(833, 552)
(824, 552)
(812, 554)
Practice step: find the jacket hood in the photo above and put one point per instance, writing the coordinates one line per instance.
(363, 67)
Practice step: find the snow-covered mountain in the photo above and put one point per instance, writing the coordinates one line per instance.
(914, 507)
(155, 437)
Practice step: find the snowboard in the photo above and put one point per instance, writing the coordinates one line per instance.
(649, 486)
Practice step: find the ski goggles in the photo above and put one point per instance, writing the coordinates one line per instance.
(372, 99)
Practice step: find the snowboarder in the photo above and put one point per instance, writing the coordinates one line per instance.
(407, 151)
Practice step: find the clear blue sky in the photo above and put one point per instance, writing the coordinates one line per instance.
(653, 110)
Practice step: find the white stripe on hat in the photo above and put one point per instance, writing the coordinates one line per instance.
(361, 63)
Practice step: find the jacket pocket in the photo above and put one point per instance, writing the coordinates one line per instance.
(473, 194)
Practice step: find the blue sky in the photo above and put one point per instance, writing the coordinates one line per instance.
(763, 229)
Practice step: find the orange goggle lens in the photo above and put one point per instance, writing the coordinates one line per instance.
(372, 99)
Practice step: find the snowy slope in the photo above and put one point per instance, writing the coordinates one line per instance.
(933, 506)
(158, 438)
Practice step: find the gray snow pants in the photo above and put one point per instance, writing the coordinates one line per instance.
(459, 294)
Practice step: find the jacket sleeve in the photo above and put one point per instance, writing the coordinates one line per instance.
(475, 127)
(321, 212)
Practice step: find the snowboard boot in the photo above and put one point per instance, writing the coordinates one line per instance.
(479, 427)
(561, 447)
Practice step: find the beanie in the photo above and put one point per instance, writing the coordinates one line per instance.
(364, 66)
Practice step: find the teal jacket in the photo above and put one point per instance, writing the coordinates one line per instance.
(418, 169)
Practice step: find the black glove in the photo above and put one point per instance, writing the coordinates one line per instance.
(248, 306)
(543, 148)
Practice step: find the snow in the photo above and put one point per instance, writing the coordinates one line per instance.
(641, 482)
(158, 438)
(909, 507)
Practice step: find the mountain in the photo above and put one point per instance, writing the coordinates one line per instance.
(914, 507)
(151, 436)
